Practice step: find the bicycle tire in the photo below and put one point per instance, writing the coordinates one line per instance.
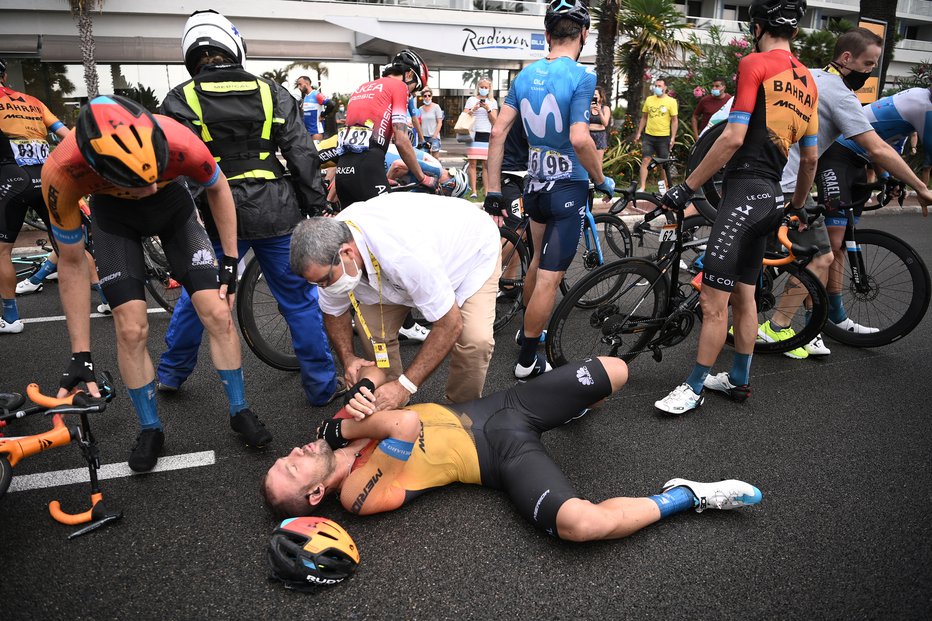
(638, 292)
(711, 189)
(159, 282)
(806, 324)
(510, 299)
(261, 322)
(614, 240)
(6, 474)
(898, 295)
(32, 219)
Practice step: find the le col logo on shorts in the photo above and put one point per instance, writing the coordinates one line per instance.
(584, 377)
(202, 257)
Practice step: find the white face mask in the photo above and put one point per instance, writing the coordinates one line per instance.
(345, 283)
(658, 91)
(483, 91)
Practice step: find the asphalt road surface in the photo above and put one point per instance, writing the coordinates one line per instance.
(840, 448)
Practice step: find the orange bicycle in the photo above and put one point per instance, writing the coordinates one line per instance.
(15, 449)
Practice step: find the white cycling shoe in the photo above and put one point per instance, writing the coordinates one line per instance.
(849, 325)
(817, 347)
(681, 400)
(25, 286)
(417, 332)
(104, 309)
(724, 495)
(11, 327)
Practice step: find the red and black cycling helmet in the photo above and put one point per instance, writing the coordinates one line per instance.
(121, 141)
(310, 552)
(410, 60)
(774, 13)
(573, 10)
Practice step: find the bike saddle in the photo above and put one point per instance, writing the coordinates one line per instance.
(11, 400)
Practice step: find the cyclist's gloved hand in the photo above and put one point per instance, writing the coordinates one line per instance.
(678, 197)
(228, 273)
(80, 369)
(801, 214)
(329, 430)
(607, 187)
(430, 182)
(493, 203)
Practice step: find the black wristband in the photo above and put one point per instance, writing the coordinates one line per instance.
(228, 273)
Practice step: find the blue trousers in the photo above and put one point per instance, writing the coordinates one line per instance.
(297, 301)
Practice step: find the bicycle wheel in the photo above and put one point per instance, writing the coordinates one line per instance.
(164, 289)
(713, 187)
(515, 261)
(614, 242)
(260, 320)
(790, 296)
(645, 235)
(895, 293)
(6, 474)
(633, 294)
(33, 220)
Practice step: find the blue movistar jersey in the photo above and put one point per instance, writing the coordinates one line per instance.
(312, 106)
(895, 118)
(429, 164)
(551, 95)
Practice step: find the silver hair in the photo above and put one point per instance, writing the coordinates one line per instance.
(316, 241)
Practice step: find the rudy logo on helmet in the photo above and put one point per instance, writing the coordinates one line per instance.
(308, 552)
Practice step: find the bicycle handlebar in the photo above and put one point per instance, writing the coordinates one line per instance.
(795, 250)
(79, 401)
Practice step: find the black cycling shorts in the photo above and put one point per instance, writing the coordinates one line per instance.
(120, 225)
(562, 206)
(360, 176)
(512, 198)
(507, 427)
(749, 213)
(840, 169)
(20, 189)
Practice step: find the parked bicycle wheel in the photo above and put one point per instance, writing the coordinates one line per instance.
(614, 242)
(515, 261)
(6, 474)
(712, 189)
(260, 320)
(164, 289)
(789, 296)
(630, 292)
(894, 295)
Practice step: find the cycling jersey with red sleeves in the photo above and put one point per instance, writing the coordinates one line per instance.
(67, 176)
(24, 124)
(378, 105)
(778, 100)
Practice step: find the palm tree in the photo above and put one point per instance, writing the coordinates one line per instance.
(279, 76)
(650, 27)
(49, 82)
(319, 68)
(606, 18)
(81, 9)
(471, 77)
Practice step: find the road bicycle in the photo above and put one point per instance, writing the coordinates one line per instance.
(885, 283)
(14, 449)
(635, 305)
(601, 233)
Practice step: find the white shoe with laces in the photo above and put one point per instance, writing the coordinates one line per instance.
(725, 495)
(14, 327)
(104, 309)
(25, 286)
(681, 400)
(417, 332)
(817, 347)
(849, 325)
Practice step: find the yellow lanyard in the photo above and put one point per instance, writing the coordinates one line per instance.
(378, 278)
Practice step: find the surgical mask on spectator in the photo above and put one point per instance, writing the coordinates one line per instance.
(345, 283)
(657, 91)
(483, 91)
(716, 92)
(342, 109)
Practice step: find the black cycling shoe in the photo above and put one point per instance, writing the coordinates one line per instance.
(250, 428)
(145, 452)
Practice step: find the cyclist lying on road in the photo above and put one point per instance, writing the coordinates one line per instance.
(380, 462)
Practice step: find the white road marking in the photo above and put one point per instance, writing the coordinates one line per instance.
(62, 317)
(108, 471)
